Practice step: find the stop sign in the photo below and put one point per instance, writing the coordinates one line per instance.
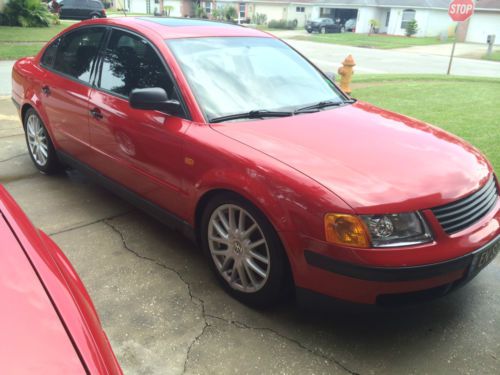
(461, 10)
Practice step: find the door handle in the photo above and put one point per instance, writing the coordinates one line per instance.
(46, 90)
(96, 113)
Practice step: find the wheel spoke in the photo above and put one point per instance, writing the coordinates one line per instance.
(242, 276)
(255, 244)
(241, 221)
(219, 240)
(43, 150)
(220, 231)
(259, 257)
(256, 268)
(250, 274)
(223, 220)
(249, 231)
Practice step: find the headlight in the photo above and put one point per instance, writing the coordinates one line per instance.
(380, 230)
(397, 229)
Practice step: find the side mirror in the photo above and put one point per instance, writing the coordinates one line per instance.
(153, 98)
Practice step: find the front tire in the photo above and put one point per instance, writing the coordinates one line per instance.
(244, 251)
(39, 144)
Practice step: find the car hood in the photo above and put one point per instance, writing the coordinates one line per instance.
(375, 160)
(34, 341)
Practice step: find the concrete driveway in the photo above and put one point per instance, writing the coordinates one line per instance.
(165, 314)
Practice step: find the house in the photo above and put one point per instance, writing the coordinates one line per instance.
(174, 8)
(484, 22)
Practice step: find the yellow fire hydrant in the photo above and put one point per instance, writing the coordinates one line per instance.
(346, 72)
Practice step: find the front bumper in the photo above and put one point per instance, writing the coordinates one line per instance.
(369, 275)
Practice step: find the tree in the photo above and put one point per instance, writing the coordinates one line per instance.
(411, 28)
(26, 13)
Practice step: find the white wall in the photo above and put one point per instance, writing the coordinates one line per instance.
(274, 12)
(139, 6)
(364, 16)
(483, 24)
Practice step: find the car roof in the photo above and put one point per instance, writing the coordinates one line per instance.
(173, 28)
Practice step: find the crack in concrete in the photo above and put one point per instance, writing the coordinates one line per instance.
(201, 303)
(316, 353)
(195, 300)
(83, 225)
(13, 157)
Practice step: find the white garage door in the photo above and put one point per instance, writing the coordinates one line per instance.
(483, 24)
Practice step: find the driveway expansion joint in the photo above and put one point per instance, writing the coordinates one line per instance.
(13, 157)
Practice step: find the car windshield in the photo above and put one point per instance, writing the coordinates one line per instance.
(231, 75)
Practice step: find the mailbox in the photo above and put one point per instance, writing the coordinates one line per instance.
(490, 39)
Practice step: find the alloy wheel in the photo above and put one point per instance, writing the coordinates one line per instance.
(37, 140)
(238, 248)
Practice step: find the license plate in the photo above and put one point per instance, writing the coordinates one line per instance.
(484, 257)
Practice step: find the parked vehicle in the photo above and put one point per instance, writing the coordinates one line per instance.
(49, 324)
(350, 25)
(323, 26)
(231, 136)
(80, 9)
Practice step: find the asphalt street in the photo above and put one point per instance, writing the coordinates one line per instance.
(165, 314)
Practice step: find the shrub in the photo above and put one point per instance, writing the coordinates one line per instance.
(374, 25)
(200, 13)
(282, 24)
(26, 13)
(260, 19)
(411, 28)
(230, 13)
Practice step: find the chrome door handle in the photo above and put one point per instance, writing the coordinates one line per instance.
(96, 113)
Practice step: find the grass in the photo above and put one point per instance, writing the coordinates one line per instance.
(495, 56)
(17, 42)
(463, 106)
(372, 41)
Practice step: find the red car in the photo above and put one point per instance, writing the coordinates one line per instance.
(234, 138)
(48, 322)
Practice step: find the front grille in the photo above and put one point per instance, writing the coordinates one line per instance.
(461, 214)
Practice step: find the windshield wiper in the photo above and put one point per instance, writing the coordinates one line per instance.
(324, 104)
(261, 113)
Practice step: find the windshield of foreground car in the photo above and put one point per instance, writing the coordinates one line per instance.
(231, 75)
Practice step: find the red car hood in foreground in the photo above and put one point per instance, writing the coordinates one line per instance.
(376, 161)
(34, 339)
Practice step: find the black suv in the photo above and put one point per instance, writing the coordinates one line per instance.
(81, 9)
(323, 26)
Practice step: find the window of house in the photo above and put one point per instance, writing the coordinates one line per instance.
(77, 52)
(408, 15)
(300, 9)
(242, 10)
(208, 7)
(387, 18)
(131, 63)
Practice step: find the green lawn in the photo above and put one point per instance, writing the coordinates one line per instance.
(465, 106)
(495, 56)
(17, 42)
(371, 41)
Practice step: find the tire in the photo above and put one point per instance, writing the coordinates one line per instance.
(241, 270)
(40, 146)
(322, 30)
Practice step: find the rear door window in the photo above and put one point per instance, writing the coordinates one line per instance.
(77, 52)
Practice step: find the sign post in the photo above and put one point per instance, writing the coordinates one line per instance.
(459, 11)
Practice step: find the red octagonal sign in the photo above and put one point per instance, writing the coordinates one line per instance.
(461, 10)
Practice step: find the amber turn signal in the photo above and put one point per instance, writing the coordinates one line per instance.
(344, 229)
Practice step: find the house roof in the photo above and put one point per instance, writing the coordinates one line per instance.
(490, 5)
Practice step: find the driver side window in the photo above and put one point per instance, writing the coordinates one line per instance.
(130, 62)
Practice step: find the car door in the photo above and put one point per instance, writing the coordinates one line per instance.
(68, 69)
(140, 149)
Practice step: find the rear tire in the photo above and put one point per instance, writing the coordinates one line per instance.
(40, 146)
(253, 267)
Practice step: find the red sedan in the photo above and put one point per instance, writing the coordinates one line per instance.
(234, 138)
(48, 322)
